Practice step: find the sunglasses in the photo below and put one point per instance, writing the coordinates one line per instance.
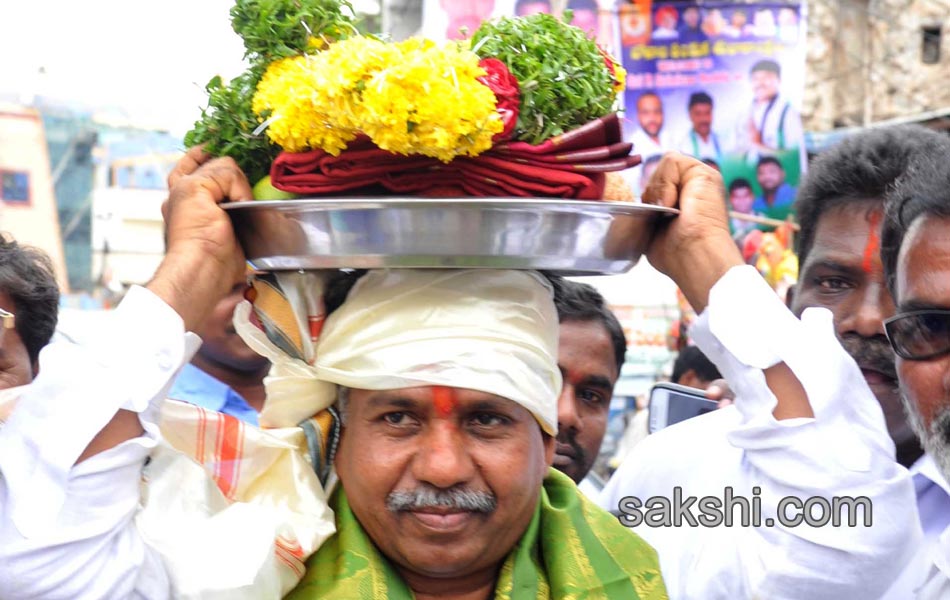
(919, 334)
(7, 321)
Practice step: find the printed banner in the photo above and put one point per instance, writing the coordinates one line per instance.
(722, 82)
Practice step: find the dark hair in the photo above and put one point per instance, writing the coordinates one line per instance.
(739, 183)
(769, 160)
(766, 65)
(712, 163)
(27, 277)
(863, 167)
(582, 302)
(699, 98)
(693, 358)
(646, 94)
(923, 190)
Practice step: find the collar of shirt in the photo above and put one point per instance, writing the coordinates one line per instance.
(201, 389)
(925, 473)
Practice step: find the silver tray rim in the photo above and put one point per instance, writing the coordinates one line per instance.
(369, 202)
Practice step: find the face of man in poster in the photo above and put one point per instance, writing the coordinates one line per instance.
(770, 176)
(691, 17)
(650, 114)
(741, 199)
(701, 116)
(764, 85)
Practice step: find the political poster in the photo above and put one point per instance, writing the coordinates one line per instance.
(722, 82)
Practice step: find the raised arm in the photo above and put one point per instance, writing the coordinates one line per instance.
(72, 452)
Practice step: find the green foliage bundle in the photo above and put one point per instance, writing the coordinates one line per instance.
(562, 75)
(271, 30)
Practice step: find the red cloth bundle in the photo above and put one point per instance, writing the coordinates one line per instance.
(571, 165)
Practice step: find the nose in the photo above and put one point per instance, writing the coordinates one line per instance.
(443, 460)
(567, 417)
(867, 318)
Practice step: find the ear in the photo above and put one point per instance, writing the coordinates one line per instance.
(550, 443)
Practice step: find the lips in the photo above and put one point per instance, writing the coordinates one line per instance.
(442, 520)
(564, 454)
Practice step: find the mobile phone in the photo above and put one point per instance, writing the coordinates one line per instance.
(671, 403)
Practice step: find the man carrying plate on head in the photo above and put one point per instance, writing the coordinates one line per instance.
(446, 383)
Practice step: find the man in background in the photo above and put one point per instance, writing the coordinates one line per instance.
(28, 292)
(225, 375)
(840, 209)
(693, 369)
(591, 352)
(778, 197)
(701, 142)
(773, 124)
(649, 139)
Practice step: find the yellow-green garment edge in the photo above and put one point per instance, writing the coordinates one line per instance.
(572, 549)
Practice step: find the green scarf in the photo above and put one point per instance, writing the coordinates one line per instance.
(571, 549)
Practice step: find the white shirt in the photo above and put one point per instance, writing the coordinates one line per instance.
(68, 531)
(646, 147)
(843, 451)
(933, 506)
(694, 145)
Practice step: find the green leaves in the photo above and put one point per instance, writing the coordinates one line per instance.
(271, 30)
(227, 126)
(562, 75)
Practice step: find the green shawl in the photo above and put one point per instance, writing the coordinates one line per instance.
(571, 549)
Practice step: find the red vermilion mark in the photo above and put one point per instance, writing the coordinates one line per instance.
(444, 400)
(874, 242)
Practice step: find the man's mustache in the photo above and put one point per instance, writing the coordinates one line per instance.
(454, 498)
(872, 353)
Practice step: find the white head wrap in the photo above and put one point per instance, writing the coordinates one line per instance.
(488, 330)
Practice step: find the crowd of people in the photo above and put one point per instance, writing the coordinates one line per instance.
(447, 420)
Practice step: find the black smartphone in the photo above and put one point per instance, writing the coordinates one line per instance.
(671, 403)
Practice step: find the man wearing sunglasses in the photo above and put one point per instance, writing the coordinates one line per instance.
(29, 301)
(916, 259)
(840, 209)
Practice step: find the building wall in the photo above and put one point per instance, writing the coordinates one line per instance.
(865, 61)
(27, 204)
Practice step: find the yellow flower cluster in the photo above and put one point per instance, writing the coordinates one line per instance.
(412, 97)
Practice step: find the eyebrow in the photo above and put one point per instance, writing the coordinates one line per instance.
(827, 263)
(601, 381)
(386, 401)
(915, 305)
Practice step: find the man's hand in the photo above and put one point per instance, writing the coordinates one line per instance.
(695, 248)
(203, 258)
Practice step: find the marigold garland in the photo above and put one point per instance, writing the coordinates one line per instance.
(412, 97)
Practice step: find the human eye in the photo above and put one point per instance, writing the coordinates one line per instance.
(399, 418)
(833, 284)
(487, 420)
(591, 397)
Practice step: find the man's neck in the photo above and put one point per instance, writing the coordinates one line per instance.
(769, 196)
(704, 138)
(475, 586)
(909, 452)
(249, 384)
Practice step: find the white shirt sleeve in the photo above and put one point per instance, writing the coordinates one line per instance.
(66, 530)
(843, 452)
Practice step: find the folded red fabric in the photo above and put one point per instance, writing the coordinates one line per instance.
(571, 165)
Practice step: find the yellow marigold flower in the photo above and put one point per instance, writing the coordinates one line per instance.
(620, 76)
(414, 97)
